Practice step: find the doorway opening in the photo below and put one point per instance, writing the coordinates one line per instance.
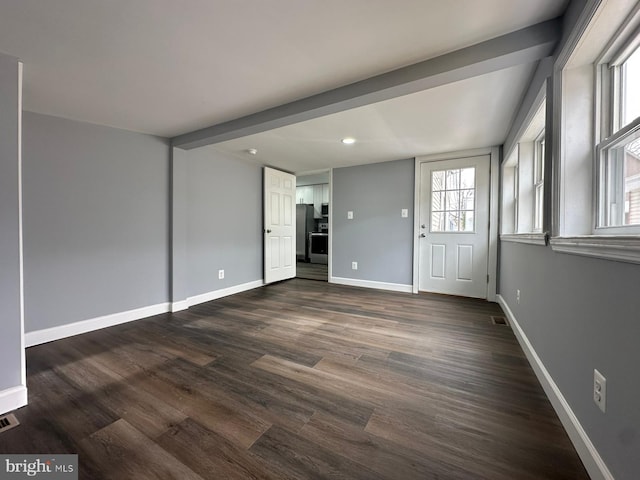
(312, 225)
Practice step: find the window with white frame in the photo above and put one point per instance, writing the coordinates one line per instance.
(510, 194)
(538, 183)
(596, 194)
(618, 154)
(523, 181)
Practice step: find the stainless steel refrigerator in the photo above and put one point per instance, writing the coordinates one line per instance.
(305, 224)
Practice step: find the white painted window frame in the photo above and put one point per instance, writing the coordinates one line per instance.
(613, 133)
(538, 183)
(603, 193)
(574, 229)
(524, 212)
(508, 195)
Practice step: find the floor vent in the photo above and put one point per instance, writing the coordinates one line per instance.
(499, 321)
(8, 422)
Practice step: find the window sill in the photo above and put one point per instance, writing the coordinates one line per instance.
(619, 248)
(530, 238)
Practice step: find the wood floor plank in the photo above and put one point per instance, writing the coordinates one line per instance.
(124, 452)
(179, 347)
(390, 460)
(213, 456)
(297, 457)
(244, 397)
(492, 457)
(220, 417)
(298, 394)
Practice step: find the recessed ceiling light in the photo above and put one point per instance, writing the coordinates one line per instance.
(252, 151)
(348, 141)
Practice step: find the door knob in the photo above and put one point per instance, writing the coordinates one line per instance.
(268, 231)
(423, 226)
(422, 235)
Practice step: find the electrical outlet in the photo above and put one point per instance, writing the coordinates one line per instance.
(518, 296)
(220, 274)
(599, 390)
(404, 213)
(349, 215)
(354, 265)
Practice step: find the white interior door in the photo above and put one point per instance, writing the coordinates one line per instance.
(279, 225)
(454, 226)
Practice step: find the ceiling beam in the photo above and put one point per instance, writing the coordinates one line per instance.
(522, 46)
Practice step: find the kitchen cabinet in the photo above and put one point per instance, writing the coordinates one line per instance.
(304, 194)
(314, 195)
(325, 193)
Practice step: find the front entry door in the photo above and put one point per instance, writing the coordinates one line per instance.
(454, 226)
(279, 225)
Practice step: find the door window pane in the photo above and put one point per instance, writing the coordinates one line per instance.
(437, 181)
(437, 201)
(437, 222)
(453, 221)
(467, 199)
(453, 200)
(468, 178)
(453, 179)
(467, 221)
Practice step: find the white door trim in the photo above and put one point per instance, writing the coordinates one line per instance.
(330, 257)
(492, 261)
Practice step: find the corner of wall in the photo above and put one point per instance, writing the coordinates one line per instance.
(12, 399)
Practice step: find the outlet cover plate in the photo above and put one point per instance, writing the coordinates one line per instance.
(600, 390)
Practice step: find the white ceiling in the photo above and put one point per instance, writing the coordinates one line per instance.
(166, 67)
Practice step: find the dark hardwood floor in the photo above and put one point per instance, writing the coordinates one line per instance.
(297, 380)
(312, 271)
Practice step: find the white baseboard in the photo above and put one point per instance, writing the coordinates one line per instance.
(590, 457)
(353, 282)
(224, 292)
(12, 399)
(63, 331)
(179, 306)
(84, 326)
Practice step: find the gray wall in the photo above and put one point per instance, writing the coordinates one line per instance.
(96, 221)
(10, 347)
(579, 314)
(224, 225)
(377, 237)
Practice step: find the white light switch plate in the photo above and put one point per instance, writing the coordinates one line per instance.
(405, 212)
(349, 215)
